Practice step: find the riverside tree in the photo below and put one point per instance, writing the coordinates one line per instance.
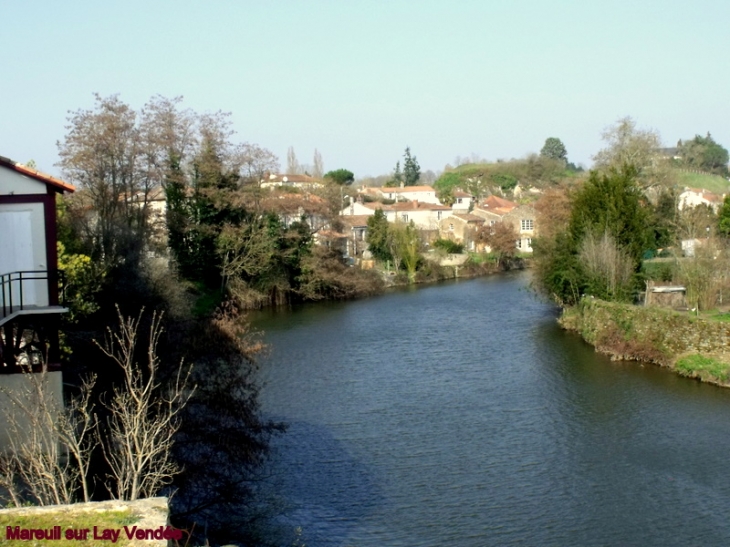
(608, 218)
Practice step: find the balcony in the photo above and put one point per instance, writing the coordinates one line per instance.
(33, 292)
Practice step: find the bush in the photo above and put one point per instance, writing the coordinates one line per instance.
(449, 246)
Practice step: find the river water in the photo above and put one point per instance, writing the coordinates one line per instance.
(460, 415)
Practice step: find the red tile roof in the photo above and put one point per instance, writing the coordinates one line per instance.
(58, 184)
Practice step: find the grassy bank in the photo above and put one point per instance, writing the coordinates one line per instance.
(696, 347)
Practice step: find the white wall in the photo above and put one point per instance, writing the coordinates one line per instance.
(14, 183)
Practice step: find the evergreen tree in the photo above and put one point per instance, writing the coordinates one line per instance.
(411, 169)
(377, 236)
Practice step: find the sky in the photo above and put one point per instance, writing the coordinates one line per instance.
(361, 80)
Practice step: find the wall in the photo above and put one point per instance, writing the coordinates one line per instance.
(660, 336)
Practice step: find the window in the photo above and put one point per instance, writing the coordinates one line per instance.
(526, 225)
(451, 227)
(519, 244)
(438, 215)
(458, 200)
(404, 217)
(529, 242)
(492, 222)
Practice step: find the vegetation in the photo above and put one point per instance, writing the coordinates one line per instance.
(554, 149)
(704, 367)
(343, 177)
(705, 154)
(448, 246)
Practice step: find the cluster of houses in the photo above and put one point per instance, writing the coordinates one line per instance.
(420, 205)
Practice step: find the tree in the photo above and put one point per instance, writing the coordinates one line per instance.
(705, 154)
(723, 218)
(397, 178)
(292, 165)
(317, 165)
(628, 146)
(411, 169)
(609, 216)
(377, 236)
(554, 149)
(405, 246)
(501, 238)
(343, 177)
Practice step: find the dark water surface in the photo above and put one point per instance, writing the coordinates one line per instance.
(461, 415)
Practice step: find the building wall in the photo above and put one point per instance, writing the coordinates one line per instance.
(14, 183)
(19, 385)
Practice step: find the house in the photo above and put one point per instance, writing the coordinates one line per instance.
(462, 202)
(28, 257)
(425, 216)
(692, 197)
(29, 280)
(356, 228)
(297, 207)
(459, 227)
(522, 218)
(422, 194)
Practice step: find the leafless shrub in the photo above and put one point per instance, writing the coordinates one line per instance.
(143, 417)
(609, 266)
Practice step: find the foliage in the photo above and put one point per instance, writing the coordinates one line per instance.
(411, 169)
(554, 149)
(404, 244)
(723, 218)
(609, 207)
(377, 236)
(343, 177)
(448, 246)
(501, 238)
(445, 186)
(83, 280)
(326, 276)
(705, 154)
(505, 181)
(397, 178)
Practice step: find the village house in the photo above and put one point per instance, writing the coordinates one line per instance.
(522, 218)
(462, 202)
(425, 216)
(459, 228)
(692, 197)
(422, 194)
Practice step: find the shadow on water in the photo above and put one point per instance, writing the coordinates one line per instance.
(324, 491)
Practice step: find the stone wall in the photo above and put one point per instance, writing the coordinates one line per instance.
(630, 332)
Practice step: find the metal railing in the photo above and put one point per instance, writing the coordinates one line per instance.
(13, 288)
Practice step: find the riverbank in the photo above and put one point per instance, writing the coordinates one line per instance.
(691, 346)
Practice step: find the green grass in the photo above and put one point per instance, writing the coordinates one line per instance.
(80, 520)
(716, 315)
(705, 368)
(712, 183)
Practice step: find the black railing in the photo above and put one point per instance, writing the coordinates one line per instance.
(13, 289)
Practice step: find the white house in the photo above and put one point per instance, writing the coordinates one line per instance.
(692, 197)
(425, 216)
(29, 281)
(423, 194)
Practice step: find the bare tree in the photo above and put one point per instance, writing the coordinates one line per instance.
(318, 165)
(253, 162)
(292, 165)
(50, 446)
(144, 417)
(609, 267)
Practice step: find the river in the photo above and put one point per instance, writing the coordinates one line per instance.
(460, 415)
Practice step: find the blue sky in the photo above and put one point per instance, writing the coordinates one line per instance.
(361, 80)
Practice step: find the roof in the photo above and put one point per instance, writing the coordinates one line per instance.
(497, 205)
(416, 205)
(461, 194)
(355, 220)
(58, 184)
(468, 217)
